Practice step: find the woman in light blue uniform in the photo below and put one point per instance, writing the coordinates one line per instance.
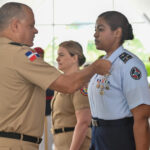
(120, 101)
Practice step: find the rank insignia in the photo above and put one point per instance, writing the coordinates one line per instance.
(135, 73)
(32, 55)
(83, 91)
(125, 57)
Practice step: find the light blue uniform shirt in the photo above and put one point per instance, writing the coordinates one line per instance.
(128, 88)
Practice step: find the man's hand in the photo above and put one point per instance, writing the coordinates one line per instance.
(102, 66)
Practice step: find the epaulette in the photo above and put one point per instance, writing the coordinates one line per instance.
(125, 57)
(18, 44)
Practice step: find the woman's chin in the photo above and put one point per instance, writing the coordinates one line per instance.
(98, 48)
(61, 69)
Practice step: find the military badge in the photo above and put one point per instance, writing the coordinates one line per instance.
(135, 73)
(83, 91)
(125, 57)
(103, 84)
(98, 83)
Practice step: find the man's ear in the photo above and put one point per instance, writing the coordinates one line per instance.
(14, 25)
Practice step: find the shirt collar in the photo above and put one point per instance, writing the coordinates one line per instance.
(115, 54)
(4, 40)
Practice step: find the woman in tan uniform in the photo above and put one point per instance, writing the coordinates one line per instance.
(71, 115)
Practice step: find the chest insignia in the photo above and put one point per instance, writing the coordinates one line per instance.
(125, 57)
(84, 91)
(32, 55)
(135, 73)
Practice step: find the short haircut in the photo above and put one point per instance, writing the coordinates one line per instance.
(9, 11)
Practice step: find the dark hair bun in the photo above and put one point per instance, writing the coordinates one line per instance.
(130, 35)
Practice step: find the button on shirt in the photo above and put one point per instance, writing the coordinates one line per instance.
(128, 88)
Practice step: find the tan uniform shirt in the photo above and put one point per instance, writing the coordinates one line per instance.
(22, 89)
(64, 107)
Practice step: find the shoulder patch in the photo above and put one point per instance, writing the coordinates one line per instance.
(32, 55)
(125, 57)
(83, 91)
(135, 73)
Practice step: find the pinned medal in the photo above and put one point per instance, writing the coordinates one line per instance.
(103, 84)
(98, 83)
(102, 88)
(107, 87)
(102, 92)
(107, 83)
